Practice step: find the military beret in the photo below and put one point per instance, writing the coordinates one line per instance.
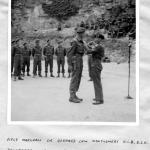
(24, 43)
(80, 30)
(48, 41)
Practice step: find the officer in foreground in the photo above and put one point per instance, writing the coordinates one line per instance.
(37, 55)
(17, 55)
(97, 52)
(75, 62)
(26, 53)
(60, 53)
(48, 52)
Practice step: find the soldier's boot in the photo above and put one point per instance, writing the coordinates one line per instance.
(15, 78)
(52, 75)
(58, 75)
(98, 102)
(73, 98)
(46, 75)
(23, 74)
(40, 75)
(19, 78)
(63, 75)
(69, 75)
(34, 75)
(80, 99)
(28, 74)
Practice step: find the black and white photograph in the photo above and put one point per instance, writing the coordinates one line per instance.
(73, 61)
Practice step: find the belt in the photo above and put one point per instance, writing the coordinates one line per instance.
(17, 54)
(37, 54)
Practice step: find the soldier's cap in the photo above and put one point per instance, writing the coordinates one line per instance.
(60, 41)
(80, 30)
(24, 43)
(37, 41)
(48, 41)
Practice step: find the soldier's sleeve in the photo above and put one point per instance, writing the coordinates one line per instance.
(71, 52)
(33, 52)
(41, 51)
(29, 52)
(44, 50)
(65, 52)
(13, 52)
(53, 51)
(56, 52)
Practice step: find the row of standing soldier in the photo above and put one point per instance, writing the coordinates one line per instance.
(20, 58)
(75, 62)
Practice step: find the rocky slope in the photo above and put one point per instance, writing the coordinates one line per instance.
(30, 22)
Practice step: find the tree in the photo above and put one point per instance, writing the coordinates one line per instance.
(60, 9)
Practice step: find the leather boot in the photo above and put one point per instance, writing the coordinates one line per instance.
(52, 75)
(58, 75)
(73, 98)
(63, 75)
(98, 102)
(69, 75)
(80, 99)
(28, 74)
(15, 78)
(23, 74)
(19, 78)
(46, 75)
(40, 75)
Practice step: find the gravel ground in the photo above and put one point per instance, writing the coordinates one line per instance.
(46, 99)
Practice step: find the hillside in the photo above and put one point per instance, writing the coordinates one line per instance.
(29, 21)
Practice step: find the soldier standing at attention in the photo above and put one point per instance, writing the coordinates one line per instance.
(26, 53)
(13, 43)
(48, 52)
(96, 68)
(37, 55)
(17, 54)
(60, 53)
(75, 55)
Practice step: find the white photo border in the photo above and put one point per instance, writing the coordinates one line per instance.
(74, 122)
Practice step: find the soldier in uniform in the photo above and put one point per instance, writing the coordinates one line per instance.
(60, 53)
(75, 60)
(26, 53)
(37, 55)
(96, 68)
(13, 43)
(17, 54)
(48, 52)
